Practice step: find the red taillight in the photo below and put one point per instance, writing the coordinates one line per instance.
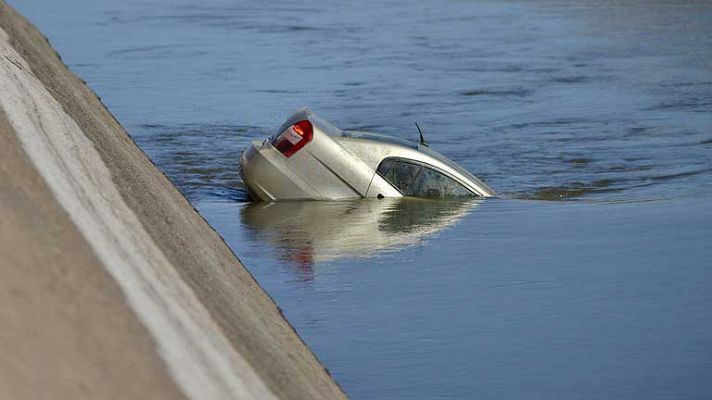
(294, 138)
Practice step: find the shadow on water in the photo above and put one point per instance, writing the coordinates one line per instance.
(309, 232)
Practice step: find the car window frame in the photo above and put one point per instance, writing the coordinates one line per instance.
(424, 165)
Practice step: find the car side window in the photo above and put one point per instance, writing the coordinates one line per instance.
(399, 174)
(431, 183)
(416, 180)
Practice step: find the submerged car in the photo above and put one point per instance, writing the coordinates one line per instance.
(310, 158)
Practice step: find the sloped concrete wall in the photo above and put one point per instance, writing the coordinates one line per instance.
(164, 294)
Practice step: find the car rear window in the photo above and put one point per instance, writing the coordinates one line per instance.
(415, 179)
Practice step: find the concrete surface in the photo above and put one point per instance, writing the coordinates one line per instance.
(144, 298)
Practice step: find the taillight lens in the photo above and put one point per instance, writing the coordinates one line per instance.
(294, 138)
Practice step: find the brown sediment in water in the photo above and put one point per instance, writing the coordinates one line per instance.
(75, 327)
(558, 193)
(572, 190)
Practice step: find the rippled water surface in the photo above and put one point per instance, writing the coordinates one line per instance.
(605, 107)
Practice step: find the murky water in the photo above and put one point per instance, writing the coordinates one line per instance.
(604, 105)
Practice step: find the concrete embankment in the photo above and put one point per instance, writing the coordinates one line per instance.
(111, 284)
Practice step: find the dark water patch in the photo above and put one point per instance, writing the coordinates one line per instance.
(624, 168)
(572, 190)
(512, 68)
(236, 192)
(637, 130)
(677, 175)
(602, 183)
(619, 180)
(543, 70)
(158, 51)
(84, 65)
(553, 123)
(234, 18)
(563, 138)
(686, 85)
(693, 104)
(204, 19)
(297, 28)
(518, 92)
(278, 91)
(237, 9)
(140, 50)
(580, 160)
(688, 96)
(572, 79)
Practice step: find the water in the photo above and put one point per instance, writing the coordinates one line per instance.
(605, 107)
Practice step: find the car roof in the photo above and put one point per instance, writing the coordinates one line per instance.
(378, 137)
(362, 146)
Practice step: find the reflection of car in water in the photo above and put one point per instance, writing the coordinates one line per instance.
(309, 158)
(306, 232)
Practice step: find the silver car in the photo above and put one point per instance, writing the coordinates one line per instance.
(309, 158)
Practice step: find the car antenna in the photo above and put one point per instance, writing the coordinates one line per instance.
(422, 138)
